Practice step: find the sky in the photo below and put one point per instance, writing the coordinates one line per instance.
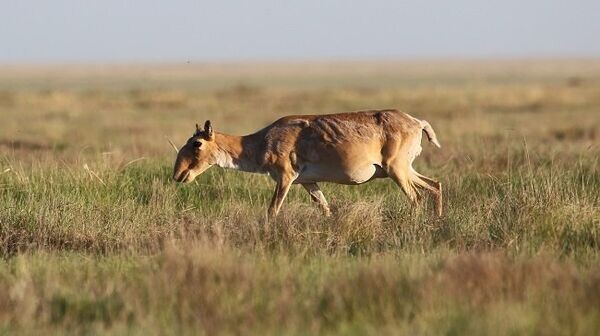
(237, 30)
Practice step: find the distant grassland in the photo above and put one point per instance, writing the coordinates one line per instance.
(96, 238)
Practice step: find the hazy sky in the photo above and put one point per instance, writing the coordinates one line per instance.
(180, 30)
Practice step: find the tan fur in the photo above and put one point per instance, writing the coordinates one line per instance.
(345, 148)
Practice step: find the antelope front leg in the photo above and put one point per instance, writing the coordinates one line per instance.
(283, 186)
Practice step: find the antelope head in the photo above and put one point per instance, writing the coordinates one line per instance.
(197, 155)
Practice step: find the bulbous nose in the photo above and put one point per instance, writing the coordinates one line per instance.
(182, 177)
(179, 168)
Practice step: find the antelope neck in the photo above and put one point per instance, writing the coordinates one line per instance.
(236, 152)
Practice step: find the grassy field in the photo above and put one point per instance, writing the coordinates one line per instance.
(96, 238)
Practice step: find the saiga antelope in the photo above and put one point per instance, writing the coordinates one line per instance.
(345, 148)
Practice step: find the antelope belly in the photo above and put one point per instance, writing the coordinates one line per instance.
(356, 175)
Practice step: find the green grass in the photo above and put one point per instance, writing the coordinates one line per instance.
(96, 238)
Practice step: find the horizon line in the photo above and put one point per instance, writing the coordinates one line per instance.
(299, 60)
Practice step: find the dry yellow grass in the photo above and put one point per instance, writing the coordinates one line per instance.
(96, 238)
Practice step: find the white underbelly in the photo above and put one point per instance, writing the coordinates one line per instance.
(356, 175)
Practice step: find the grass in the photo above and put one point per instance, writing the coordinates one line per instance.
(96, 238)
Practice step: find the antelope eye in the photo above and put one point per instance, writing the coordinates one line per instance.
(197, 143)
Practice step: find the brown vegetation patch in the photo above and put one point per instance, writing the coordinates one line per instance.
(575, 133)
(164, 99)
(239, 91)
(7, 98)
(25, 145)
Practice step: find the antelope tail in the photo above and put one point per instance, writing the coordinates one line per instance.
(430, 133)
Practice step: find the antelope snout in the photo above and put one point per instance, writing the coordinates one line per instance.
(181, 177)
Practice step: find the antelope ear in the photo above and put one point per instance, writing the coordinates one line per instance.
(208, 130)
(198, 130)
